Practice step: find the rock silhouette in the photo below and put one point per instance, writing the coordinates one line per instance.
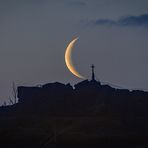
(89, 112)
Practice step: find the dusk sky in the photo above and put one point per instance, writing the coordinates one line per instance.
(113, 35)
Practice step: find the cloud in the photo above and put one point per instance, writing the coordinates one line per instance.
(141, 20)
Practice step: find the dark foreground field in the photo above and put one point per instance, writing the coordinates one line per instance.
(39, 131)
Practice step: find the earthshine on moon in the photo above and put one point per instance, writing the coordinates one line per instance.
(68, 59)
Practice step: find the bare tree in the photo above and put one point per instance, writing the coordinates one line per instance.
(4, 104)
(14, 92)
(11, 102)
(13, 99)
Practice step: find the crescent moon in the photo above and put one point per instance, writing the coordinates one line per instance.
(68, 59)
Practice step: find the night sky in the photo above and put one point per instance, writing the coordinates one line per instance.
(113, 35)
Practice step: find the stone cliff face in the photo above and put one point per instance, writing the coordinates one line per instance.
(84, 94)
(27, 94)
